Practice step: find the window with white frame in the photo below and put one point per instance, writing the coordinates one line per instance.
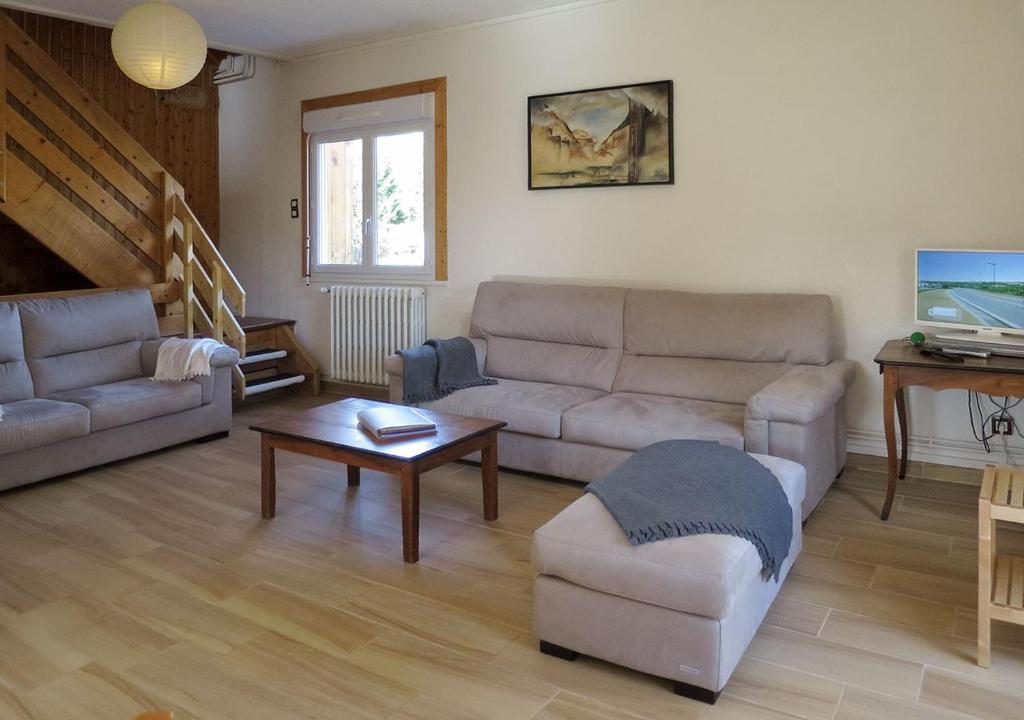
(371, 210)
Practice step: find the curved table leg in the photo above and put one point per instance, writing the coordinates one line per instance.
(889, 394)
(901, 415)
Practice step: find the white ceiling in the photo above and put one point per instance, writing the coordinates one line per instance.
(295, 28)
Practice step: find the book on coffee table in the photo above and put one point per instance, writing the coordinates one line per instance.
(392, 420)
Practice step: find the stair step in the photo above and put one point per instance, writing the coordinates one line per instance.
(252, 387)
(263, 355)
(252, 323)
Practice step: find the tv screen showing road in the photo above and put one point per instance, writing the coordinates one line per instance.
(971, 288)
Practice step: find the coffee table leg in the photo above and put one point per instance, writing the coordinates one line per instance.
(410, 514)
(268, 480)
(489, 469)
(353, 476)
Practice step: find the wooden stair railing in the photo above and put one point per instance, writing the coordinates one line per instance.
(75, 179)
(207, 284)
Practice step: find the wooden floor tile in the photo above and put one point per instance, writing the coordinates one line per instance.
(566, 706)
(320, 678)
(861, 704)
(200, 576)
(909, 611)
(961, 564)
(796, 615)
(606, 683)
(433, 621)
(461, 681)
(203, 686)
(90, 575)
(188, 618)
(846, 572)
(977, 698)
(303, 619)
(728, 708)
(92, 693)
(836, 661)
(925, 586)
(925, 648)
(785, 690)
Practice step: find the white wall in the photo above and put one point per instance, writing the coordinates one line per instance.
(818, 142)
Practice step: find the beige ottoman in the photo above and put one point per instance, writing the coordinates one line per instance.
(683, 609)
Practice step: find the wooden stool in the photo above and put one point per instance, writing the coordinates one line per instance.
(1000, 577)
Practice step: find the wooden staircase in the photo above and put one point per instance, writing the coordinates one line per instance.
(75, 179)
(275, 358)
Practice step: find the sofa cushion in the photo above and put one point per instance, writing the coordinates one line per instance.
(630, 421)
(727, 381)
(86, 340)
(87, 368)
(559, 363)
(528, 407)
(794, 329)
(131, 401)
(37, 422)
(572, 314)
(700, 574)
(563, 334)
(15, 380)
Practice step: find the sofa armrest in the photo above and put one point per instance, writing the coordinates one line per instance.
(223, 359)
(393, 363)
(802, 394)
(223, 356)
(393, 367)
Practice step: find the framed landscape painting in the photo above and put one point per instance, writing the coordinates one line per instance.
(618, 135)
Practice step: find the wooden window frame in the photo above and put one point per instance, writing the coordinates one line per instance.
(438, 86)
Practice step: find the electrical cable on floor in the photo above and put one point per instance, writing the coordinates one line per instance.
(1002, 411)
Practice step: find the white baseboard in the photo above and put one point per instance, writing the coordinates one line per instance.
(960, 453)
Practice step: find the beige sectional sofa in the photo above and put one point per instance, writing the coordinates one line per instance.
(75, 388)
(587, 375)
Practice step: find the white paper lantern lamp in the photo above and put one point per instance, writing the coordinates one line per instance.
(158, 45)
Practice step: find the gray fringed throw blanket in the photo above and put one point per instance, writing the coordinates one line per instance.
(438, 368)
(692, 487)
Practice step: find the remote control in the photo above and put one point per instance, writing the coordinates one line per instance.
(970, 352)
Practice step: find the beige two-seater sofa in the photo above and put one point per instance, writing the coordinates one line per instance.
(588, 375)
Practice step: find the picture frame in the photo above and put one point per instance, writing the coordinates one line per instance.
(618, 135)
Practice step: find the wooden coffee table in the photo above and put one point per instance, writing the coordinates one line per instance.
(333, 433)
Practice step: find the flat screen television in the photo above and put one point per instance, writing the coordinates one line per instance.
(979, 295)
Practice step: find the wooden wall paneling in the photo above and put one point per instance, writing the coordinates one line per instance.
(3, 115)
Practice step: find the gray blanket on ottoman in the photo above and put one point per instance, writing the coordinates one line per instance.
(438, 368)
(691, 487)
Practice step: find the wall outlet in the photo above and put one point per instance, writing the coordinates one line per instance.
(1002, 426)
(293, 207)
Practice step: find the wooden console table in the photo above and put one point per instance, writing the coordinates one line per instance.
(903, 365)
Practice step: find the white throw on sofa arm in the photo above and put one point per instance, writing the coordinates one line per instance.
(393, 367)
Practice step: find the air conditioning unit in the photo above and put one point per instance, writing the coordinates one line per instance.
(234, 68)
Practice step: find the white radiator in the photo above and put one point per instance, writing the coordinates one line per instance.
(370, 323)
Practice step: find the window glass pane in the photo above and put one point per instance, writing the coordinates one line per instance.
(340, 203)
(399, 222)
